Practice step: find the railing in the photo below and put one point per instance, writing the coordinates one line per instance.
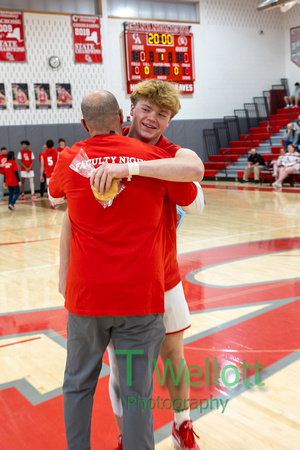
(241, 122)
(248, 141)
(271, 126)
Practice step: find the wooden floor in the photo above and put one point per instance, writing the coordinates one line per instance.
(240, 267)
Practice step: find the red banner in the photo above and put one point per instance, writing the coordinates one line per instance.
(87, 41)
(12, 45)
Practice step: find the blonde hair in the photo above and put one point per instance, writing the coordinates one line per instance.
(160, 93)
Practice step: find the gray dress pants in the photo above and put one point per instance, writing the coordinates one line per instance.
(137, 340)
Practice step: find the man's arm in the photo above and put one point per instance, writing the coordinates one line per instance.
(64, 253)
(186, 166)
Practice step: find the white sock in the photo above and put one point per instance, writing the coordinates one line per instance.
(31, 184)
(181, 417)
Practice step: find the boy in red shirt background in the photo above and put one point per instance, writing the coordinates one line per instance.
(61, 144)
(26, 160)
(3, 159)
(12, 180)
(48, 162)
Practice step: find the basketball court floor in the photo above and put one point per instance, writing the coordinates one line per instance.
(240, 266)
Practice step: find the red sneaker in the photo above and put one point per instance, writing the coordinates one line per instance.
(120, 445)
(34, 196)
(23, 197)
(184, 437)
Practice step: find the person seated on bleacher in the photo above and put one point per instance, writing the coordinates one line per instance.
(296, 128)
(290, 135)
(255, 163)
(290, 163)
(294, 98)
(277, 163)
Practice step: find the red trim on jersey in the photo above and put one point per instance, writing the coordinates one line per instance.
(179, 331)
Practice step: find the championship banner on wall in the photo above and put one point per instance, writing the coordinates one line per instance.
(12, 45)
(87, 41)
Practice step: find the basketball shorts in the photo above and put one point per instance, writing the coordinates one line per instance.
(177, 315)
(25, 174)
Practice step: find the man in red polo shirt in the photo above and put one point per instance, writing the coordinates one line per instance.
(120, 296)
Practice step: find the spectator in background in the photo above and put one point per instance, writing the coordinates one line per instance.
(26, 160)
(290, 163)
(43, 183)
(294, 98)
(289, 135)
(255, 164)
(61, 145)
(296, 128)
(12, 180)
(277, 163)
(3, 159)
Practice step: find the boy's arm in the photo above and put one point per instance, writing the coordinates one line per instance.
(64, 252)
(42, 169)
(184, 167)
(21, 164)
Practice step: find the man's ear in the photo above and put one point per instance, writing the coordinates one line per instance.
(84, 125)
(131, 109)
(121, 116)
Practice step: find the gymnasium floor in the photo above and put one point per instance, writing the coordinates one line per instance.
(240, 268)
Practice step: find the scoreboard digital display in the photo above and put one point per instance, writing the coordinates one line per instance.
(159, 51)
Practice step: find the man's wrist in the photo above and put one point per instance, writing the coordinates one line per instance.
(133, 169)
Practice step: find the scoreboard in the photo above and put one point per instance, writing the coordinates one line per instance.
(159, 51)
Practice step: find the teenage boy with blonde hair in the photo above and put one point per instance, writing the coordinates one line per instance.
(154, 104)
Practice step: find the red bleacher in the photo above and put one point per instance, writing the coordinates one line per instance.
(254, 139)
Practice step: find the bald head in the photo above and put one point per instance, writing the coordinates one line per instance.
(100, 110)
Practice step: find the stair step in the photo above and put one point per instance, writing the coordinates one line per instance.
(267, 138)
(288, 110)
(215, 165)
(255, 136)
(210, 173)
(219, 158)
